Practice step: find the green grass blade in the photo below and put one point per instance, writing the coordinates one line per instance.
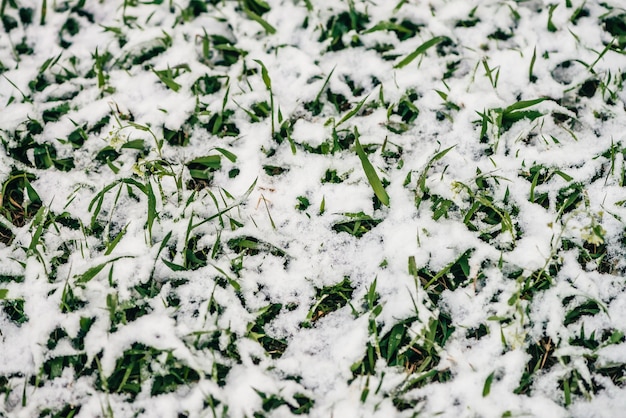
(137, 144)
(487, 386)
(231, 157)
(173, 266)
(226, 209)
(31, 192)
(268, 28)
(564, 176)
(152, 213)
(420, 50)
(523, 104)
(421, 182)
(268, 84)
(166, 78)
(39, 221)
(319, 94)
(604, 51)
(352, 112)
(265, 75)
(44, 9)
(395, 337)
(531, 76)
(111, 246)
(533, 185)
(92, 272)
(370, 172)
(231, 281)
(209, 161)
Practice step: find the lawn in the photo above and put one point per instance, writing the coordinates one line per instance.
(279, 208)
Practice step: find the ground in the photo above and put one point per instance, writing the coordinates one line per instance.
(317, 208)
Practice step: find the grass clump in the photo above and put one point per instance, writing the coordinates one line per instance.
(20, 201)
(356, 224)
(273, 346)
(329, 299)
(338, 26)
(14, 309)
(141, 365)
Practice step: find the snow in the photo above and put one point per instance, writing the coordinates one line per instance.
(229, 294)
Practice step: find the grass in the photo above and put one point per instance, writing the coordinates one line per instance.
(370, 172)
(207, 204)
(329, 299)
(419, 51)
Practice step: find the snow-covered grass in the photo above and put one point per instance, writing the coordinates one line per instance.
(312, 207)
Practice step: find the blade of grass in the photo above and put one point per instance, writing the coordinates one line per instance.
(167, 78)
(268, 85)
(111, 245)
(39, 221)
(487, 386)
(231, 157)
(370, 172)
(489, 72)
(523, 104)
(44, 9)
(266, 26)
(227, 208)
(352, 112)
(152, 213)
(420, 191)
(231, 281)
(92, 272)
(604, 51)
(420, 50)
(24, 97)
(531, 76)
(319, 94)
